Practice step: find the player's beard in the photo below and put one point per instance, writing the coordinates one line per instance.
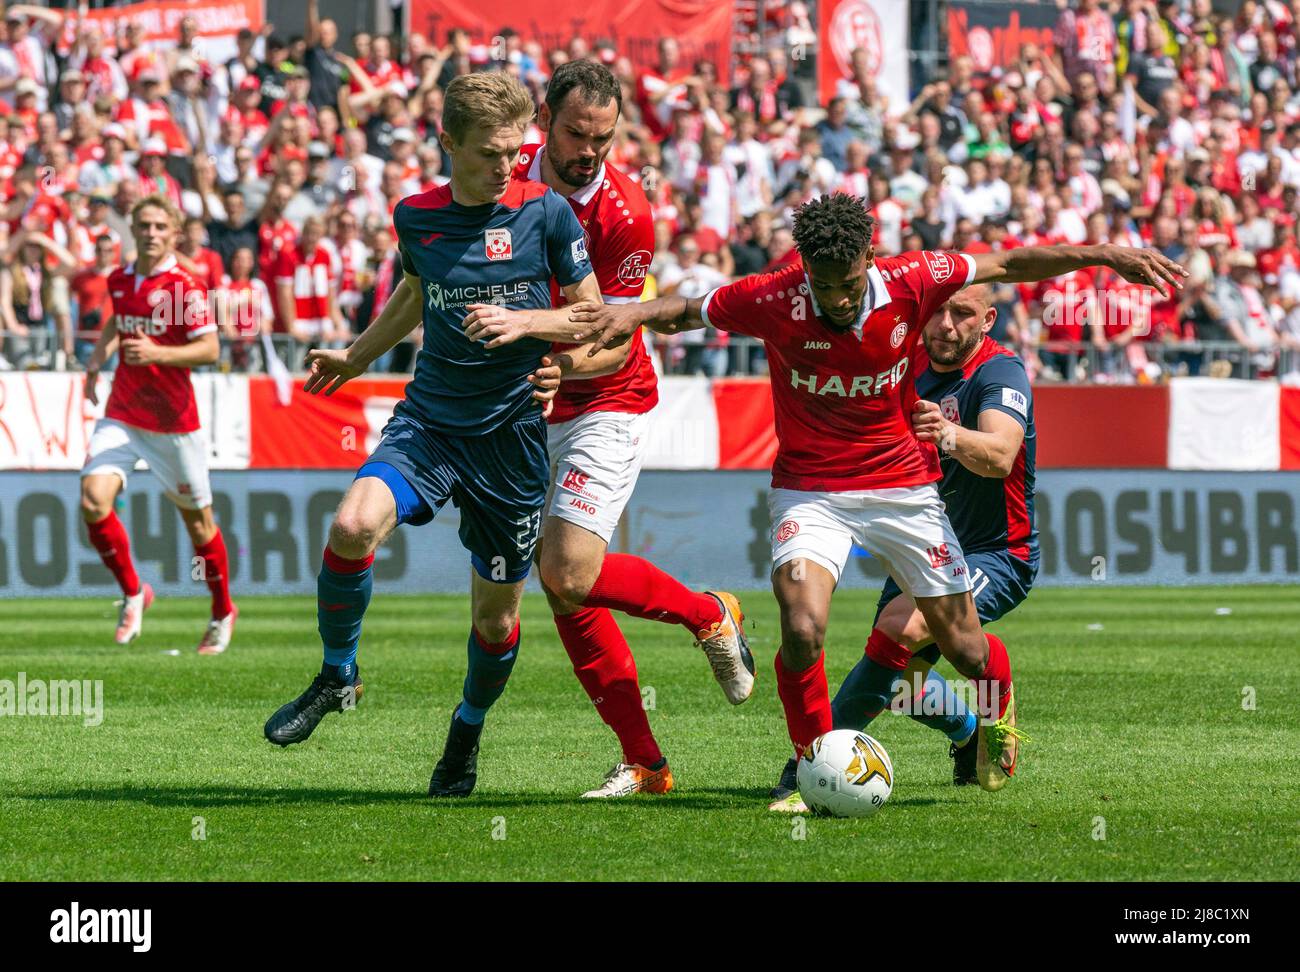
(570, 176)
(849, 320)
(951, 354)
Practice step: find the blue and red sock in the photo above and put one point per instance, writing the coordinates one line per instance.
(342, 595)
(490, 665)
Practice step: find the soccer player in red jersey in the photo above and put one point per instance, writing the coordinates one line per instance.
(160, 325)
(598, 437)
(839, 328)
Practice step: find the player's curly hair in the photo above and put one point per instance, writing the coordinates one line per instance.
(835, 228)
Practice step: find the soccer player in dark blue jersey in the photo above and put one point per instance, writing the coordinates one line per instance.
(471, 427)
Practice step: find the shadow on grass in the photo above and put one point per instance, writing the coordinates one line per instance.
(226, 796)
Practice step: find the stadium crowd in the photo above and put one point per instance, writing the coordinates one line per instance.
(1150, 124)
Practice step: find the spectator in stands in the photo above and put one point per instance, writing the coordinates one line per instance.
(1084, 40)
(94, 306)
(702, 351)
(1243, 313)
(245, 313)
(36, 328)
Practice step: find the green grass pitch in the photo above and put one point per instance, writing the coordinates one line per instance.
(1138, 730)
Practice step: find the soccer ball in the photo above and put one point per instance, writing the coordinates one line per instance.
(845, 773)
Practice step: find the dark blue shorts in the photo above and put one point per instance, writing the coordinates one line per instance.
(999, 582)
(498, 482)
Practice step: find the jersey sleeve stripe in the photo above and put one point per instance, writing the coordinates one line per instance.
(200, 331)
(704, 308)
(970, 268)
(610, 299)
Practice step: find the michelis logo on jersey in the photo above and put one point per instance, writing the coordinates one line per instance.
(441, 298)
(941, 265)
(496, 242)
(948, 406)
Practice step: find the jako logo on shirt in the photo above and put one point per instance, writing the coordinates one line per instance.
(817, 345)
(941, 265)
(496, 243)
(939, 556)
(866, 385)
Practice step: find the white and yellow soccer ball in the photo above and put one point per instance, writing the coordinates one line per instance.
(845, 773)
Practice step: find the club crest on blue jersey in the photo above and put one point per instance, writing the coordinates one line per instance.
(496, 243)
(948, 406)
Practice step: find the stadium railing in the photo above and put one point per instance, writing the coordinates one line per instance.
(1068, 361)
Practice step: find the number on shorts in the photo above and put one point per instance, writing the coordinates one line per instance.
(529, 527)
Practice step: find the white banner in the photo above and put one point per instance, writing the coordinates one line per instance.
(1217, 423)
(684, 429)
(46, 421)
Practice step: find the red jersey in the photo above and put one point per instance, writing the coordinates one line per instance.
(615, 217)
(1069, 304)
(211, 270)
(94, 307)
(271, 239)
(168, 307)
(312, 278)
(843, 398)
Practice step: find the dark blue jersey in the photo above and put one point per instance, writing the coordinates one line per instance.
(987, 513)
(501, 253)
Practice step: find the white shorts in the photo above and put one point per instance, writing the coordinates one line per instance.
(179, 460)
(595, 461)
(905, 528)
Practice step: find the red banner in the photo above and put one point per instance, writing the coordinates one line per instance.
(702, 28)
(218, 20)
(993, 33)
(877, 27)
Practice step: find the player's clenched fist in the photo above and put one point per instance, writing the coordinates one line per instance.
(328, 371)
(605, 325)
(928, 423)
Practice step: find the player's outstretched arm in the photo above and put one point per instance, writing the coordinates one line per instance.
(496, 325)
(611, 325)
(328, 370)
(990, 450)
(1032, 263)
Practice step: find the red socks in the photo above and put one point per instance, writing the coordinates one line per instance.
(639, 588)
(996, 675)
(108, 536)
(886, 652)
(603, 663)
(217, 574)
(806, 701)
